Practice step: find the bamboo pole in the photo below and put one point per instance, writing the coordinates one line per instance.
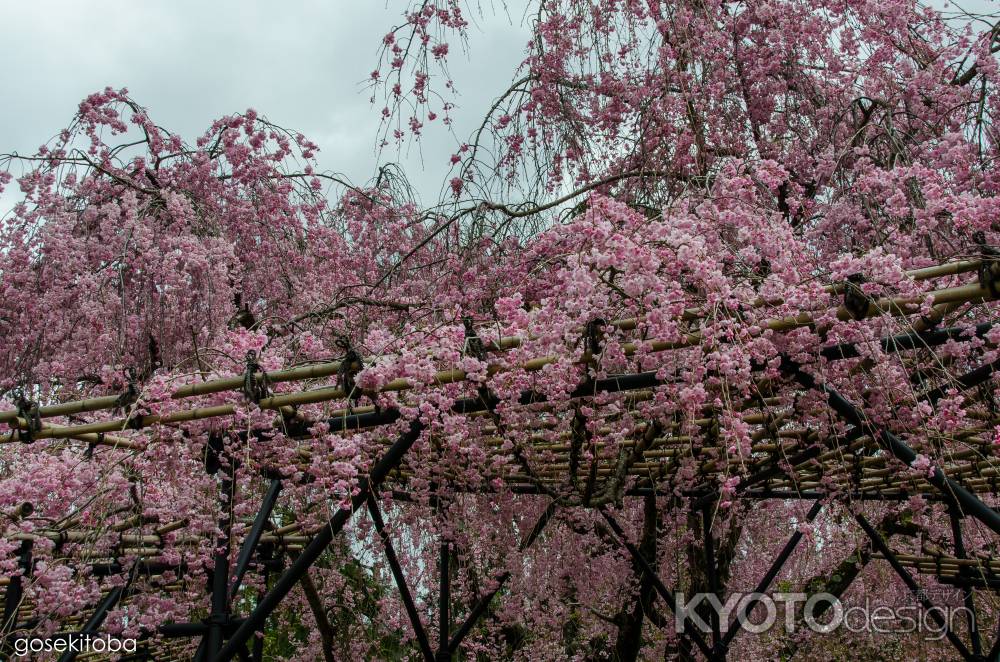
(95, 439)
(895, 306)
(891, 306)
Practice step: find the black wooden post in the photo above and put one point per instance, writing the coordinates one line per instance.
(713, 577)
(968, 592)
(268, 558)
(911, 584)
(250, 544)
(772, 572)
(220, 622)
(270, 601)
(444, 603)
(95, 621)
(969, 502)
(397, 574)
(665, 593)
(218, 619)
(14, 595)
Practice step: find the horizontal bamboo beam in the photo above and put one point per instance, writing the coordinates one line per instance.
(895, 306)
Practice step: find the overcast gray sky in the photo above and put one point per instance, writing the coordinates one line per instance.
(301, 63)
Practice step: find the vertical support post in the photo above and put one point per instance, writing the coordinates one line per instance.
(14, 595)
(710, 570)
(668, 597)
(397, 573)
(319, 543)
(250, 544)
(97, 619)
(219, 617)
(267, 556)
(444, 604)
(772, 572)
(911, 584)
(969, 594)
(484, 601)
(258, 649)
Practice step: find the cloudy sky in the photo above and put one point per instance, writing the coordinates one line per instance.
(303, 64)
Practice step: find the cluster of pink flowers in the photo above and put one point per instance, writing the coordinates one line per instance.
(727, 163)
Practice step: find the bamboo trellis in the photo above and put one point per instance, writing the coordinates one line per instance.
(787, 460)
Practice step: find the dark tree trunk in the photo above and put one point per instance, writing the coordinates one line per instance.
(629, 640)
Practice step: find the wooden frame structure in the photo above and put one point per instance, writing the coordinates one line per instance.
(789, 461)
